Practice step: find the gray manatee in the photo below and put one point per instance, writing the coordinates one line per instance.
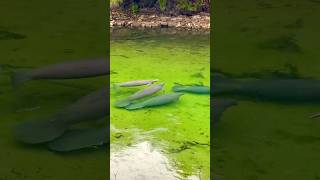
(269, 89)
(67, 70)
(90, 107)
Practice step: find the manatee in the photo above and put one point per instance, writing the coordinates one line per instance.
(219, 106)
(140, 94)
(77, 139)
(90, 107)
(192, 89)
(269, 89)
(156, 101)
(135, 83)
(68, 70)
(313, 116)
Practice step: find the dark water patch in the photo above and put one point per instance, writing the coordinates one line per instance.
(254, 163)
(288, 71)
(197, 75)
(285, 44)
(253, 17)
(7, 35)
(184, 145)
(264, 5)
(15, 49)
(68, 51)
(315, 1)
(297, 24)
(138, 50)
(244, 29)
(118, 135)
(120, 56)
(299, 139)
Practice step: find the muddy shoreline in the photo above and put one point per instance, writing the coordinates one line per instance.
(151, 19)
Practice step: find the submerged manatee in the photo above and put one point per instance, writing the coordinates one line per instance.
(68, 70)
(77, 139)
(140, 94)
(269, 89)
(156, 101)
(90, 107)
(192, 89)
(135, 83)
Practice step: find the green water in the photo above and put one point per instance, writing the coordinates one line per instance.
(267, 140)
(32, 34)
(180, 130)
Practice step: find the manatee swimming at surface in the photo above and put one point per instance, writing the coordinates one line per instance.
(90, 107)
(156, 101)
(140, 94)
(67, 70)
(191, 89)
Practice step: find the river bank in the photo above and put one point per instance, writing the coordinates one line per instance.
(148, 18)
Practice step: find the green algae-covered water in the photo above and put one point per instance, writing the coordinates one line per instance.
(267, 140)
(176, 135)
(33, 34)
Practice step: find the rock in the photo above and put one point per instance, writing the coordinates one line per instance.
(147, 18)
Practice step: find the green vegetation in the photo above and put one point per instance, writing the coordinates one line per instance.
(134, 8)
(179, 6)
(115, 2)
(162, 4)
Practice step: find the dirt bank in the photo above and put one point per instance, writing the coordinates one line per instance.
(153, 19)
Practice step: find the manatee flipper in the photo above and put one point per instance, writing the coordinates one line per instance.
(19, 78)
(219, 106)
(135, 106)
(122, 103)
(79, 139)
(39, 132)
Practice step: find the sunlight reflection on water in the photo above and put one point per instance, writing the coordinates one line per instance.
(142, 162)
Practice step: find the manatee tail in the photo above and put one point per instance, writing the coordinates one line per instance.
(116, 86)
(77, 139)
(122, 103)
(135, 106)
(39, 131)
(178, 88)
(219, 106)
(19, 78)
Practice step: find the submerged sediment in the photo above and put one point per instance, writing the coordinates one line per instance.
(153, 19)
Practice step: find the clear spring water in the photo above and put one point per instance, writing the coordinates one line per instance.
(178, 133)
